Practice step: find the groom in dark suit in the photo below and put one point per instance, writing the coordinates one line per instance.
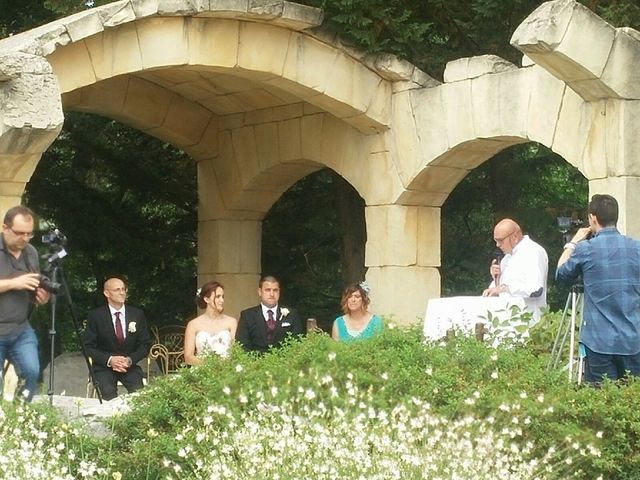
(116, 338)
(267, 324)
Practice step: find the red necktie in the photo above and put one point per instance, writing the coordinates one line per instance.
(119, 332)
(271, 326)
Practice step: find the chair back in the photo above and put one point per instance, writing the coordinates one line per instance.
(168, 347)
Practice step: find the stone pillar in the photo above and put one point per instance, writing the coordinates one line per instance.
(402, 256)
(10, 196)
(626, 191)
(229, 252)
(614, 144)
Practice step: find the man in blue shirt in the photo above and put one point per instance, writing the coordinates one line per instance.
(609, 264)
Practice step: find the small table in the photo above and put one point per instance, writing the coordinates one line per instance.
(462, 313)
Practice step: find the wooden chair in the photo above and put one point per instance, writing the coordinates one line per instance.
(168, 348)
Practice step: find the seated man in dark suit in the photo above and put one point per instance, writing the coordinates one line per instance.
(267, 324)
(116, 338)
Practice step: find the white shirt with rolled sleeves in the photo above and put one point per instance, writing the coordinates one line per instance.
(524, 272)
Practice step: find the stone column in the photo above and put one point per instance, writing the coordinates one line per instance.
(614, 145)
(10, 195)
(229, 252)
(626, 191)
(402, 256)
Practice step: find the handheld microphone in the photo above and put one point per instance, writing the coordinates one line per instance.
(496, 258)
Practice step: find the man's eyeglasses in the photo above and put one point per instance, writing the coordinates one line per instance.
(28, 235)
(118, 289)
(500, 240)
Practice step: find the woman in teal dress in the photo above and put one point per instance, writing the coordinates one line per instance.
(357, 322)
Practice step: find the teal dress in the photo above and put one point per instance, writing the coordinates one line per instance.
(372, 328)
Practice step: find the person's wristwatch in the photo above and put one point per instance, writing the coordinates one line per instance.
(570, 246)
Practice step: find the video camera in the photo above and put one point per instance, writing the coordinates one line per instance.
(55, 241)
(55, 237)
(568, 226)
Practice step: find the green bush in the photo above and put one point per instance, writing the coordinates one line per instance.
(458, 378)
(294, 407)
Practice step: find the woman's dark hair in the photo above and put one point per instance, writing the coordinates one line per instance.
(354, 287)
(205, 291)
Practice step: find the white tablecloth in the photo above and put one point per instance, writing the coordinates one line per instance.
(462, 313)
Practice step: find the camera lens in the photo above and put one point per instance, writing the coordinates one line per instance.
(50, 286)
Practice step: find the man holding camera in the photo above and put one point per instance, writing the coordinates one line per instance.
(19, 290)
(609, 264)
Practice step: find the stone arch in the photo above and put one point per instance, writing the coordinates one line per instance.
(216, 83)
(199, 76)
(481, 119)
(228, 66)
(580, 107)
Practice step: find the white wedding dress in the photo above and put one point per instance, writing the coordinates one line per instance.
(219, 343)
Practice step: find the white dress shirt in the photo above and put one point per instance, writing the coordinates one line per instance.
(524, 272)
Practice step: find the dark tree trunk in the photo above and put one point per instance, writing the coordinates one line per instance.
(351, 221)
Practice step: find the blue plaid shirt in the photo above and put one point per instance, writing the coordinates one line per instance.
(610, 267)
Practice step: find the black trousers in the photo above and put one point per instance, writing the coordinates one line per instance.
(107, 380)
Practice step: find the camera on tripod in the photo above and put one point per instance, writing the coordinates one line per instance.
(55, 241)
(568, 227)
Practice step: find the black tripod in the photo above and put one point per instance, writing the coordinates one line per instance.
(569, 328)
(54, 268)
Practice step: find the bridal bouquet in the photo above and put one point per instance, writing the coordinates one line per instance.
(218, 344)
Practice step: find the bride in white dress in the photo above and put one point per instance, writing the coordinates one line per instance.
(211, 332)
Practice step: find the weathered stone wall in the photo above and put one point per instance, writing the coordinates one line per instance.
(30, 120)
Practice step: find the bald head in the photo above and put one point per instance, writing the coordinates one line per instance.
(507, 234)
(115, 291)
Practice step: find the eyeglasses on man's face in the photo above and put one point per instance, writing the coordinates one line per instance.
(28, 235)
(500, 240)
(118, 289)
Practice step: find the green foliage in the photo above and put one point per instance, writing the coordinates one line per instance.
(325, 384)
(127, 204)
(457, 378)
(20, 15)
(68, 7)
(508, 327)
(620, 13)
(314, 388)
(428, 32)
(378, 25)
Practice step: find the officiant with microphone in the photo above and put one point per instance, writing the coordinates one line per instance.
(522, 271)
